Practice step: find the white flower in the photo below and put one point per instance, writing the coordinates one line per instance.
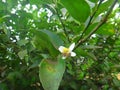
(118, 76)
(67, 51)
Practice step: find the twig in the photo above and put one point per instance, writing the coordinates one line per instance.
(91, 17)
(104, 19)
(64, 29)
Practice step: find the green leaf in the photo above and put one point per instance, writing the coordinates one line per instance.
(106, 29)
(90, 28)
(3, 86)
(11, 4)
(22, 54)
(13, 75)
(39, 2)
(51, 73)
(79, 9)
(22, 42)
(119, 1)
(42, 42)
(4, 37)
(83, 53)
(2, 19)
(91, 47)
(116, 82)
(81, 75)
(34, 65)
(54, 38)
(2, 7)
(95, 1)
(103, 7)
(7, 31)
(46, 40)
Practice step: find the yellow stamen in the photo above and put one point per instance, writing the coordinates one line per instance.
(66, 50)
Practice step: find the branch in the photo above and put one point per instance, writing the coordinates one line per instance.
(104, 19)
(64, 29)
(91, 17)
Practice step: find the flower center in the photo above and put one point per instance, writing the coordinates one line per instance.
(66, 50)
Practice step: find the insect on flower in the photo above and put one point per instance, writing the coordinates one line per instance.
(66, 52)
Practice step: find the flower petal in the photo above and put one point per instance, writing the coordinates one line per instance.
(72, 46)
(73, 54)
(61, 48)
(63, 57)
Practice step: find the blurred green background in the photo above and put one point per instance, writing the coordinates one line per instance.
(32, 30)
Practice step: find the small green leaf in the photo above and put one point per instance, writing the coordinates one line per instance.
(79, 9)
(22, 54)
(22, 42)
(81, 75)
(83, 53)
(51, 73)
(34, 65)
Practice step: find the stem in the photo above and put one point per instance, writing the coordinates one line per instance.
(104, 19)
(91, 17)
(64, 29)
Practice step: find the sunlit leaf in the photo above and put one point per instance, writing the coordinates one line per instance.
(104, 6)
(106, 29)
(79, 9)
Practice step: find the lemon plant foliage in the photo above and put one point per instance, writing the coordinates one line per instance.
(59, 45)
